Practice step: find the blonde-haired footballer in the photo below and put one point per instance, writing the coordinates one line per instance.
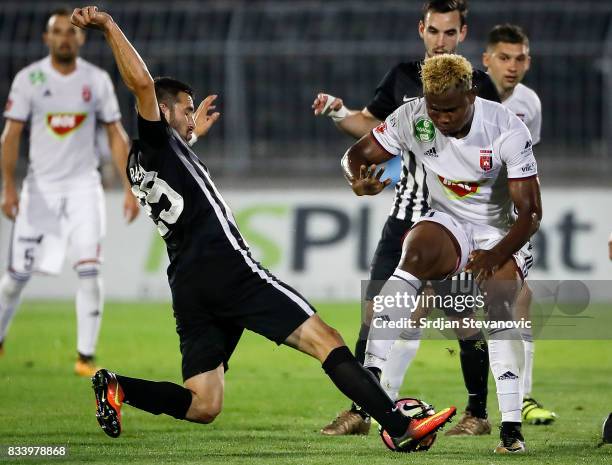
(479, 163)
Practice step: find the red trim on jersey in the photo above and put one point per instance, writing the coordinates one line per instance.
(379, 144)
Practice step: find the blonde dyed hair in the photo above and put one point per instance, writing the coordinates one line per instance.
(442, 73)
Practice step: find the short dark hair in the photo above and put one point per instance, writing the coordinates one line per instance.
(60, 11)
(167, 90)
(507, 33)
(446, 6)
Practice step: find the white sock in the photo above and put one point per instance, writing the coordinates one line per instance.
(11, 287)
(387, 308)
(506, 357)
(89, 307)
(401, 355)
(529, 348)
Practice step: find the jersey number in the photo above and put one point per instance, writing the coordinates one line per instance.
(150, 191)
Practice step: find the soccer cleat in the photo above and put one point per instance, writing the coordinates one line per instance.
(346, 423)
(424, 424)
(511, 442)
(606, 434)
(109, 398)
(532, 412)
(470, 425)
(85, 368)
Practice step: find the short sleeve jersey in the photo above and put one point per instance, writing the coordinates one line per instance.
(525, 104)
(467, 177)
(400, 84)
(62, 111)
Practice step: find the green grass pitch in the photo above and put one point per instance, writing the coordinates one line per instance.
(276, 399)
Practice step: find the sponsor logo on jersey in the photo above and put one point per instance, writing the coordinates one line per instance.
(486, 160)
(405, 98)
(529, 167)
(381, 128)
(86, 93)
(37, 77)
(431, 153)
(62, 124)
(424, 129)
(9, 104)
(459, 189)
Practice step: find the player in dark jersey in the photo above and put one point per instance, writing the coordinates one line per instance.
(218, 289)
(442, 27)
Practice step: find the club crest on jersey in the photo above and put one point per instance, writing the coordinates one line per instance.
(486, 160)
(62, 124)
(459, 189)
(424, 129)
(381, 128)
(86, 93)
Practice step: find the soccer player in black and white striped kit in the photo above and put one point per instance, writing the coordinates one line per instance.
(218, 289)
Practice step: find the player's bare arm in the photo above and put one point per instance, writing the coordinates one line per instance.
(10, 139)
(119, 145)
(525, 193)
(355, 123)
(359, 166)
(132, 68)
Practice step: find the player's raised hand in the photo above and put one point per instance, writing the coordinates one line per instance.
(484, 263)
(368, 182)
(130, 207)
(10, 202)
(90, 17)
(203, 119)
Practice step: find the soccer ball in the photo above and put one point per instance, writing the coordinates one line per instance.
(417, 409)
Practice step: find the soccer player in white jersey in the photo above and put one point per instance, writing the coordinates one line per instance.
(479, 162)
(507, 61)
(61, 210)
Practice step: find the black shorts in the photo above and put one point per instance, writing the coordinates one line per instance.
(387, 254)
(230, 293)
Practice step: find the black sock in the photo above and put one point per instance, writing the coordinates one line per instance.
(512, 428)
(156, 397)
(82, 358)
(475, 366)
(360, 347)
(362, 387)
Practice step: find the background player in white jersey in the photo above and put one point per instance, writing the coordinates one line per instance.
(479, 162)
(61, 209)
(507, 61)
(443, 27)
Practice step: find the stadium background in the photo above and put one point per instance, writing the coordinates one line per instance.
(277, 166)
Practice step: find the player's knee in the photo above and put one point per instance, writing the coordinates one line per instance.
(206, 411)
(13, 282)
(418, 262)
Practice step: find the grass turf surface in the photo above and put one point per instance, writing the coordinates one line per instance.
(276, 399)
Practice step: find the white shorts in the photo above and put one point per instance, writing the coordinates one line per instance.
(50, 225)
(470, 236)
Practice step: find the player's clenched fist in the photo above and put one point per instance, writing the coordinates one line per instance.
(90, 18)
